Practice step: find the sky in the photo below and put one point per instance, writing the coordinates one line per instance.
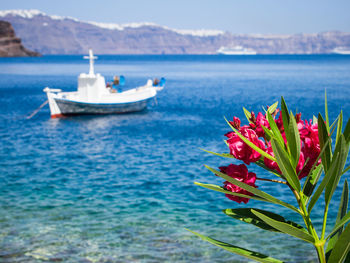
(235, 16)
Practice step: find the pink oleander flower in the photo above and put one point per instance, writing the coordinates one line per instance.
(240, 149)
(236, 123)
(311, 146)
(261, 121)
(279, 123)
(309, 135)
(240, 173)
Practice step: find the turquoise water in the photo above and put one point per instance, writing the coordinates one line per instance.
(119, 188)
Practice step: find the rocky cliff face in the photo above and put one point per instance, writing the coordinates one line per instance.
(10, 45)
(65, 35)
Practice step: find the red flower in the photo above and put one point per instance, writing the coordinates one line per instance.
(240, 150)
(236, 123)
(261, 121)
(240, 173)
(311, 146)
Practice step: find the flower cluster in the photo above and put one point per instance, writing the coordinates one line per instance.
(254, 132)
(240, 173)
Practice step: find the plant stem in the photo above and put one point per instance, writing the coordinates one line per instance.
(319, 244)
(320, 253)
(271, 180)
(324, 221)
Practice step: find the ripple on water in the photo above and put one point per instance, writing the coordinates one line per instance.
(120, 188)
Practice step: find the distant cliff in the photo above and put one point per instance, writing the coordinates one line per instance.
(10, 45)
(49, 34)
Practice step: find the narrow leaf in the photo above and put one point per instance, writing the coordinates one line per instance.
(262, 165)
(274, 129)
(222, 190)
(341, 247)
(339, 126)
(346, 169)
(272, 108)
(285, 115)
(323, 137)
(238, 250)
(247, 114)
(347, 131)
(340, 224)
(268, 133)
(311, 177)
(311, 181)
(285, 165)
(341, 150)
(225, 155)
(253, 190)
(326, 110)
(343, 207)
(294, 140)
(314, 178)
(246, 215)
(286, 228)
(323, 184)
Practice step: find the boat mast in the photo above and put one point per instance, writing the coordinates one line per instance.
(91, 58)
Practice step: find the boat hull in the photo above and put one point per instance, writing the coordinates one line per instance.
(68, 107)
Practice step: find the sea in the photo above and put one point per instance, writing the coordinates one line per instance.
(120, 188)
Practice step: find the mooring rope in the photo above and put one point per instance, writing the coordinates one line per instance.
(37, 110)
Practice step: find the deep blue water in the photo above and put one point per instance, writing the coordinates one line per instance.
(119, 188)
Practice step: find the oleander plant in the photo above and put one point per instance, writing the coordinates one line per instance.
(307, 157)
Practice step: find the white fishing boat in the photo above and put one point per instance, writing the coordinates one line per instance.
(237, 50)
(93, 96)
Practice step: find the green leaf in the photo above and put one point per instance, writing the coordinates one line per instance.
(339, 225)
(345, 170)
(274, 129)
(252, 190)
(262, 165)
(272, 108)
(252, 145)
(341, 150)
(246, 215)
(285, 115)
(268, 133)
(339, 126)
(286, 228)
(313, 178)
(293, 140)
(326, 110)
(311, 181)
(343, 207)
(247, 114)
(225, 155)
(341, 247)
(323, 137)
(323, 184)
(238, 250)
(347, 131)
(222, 190)
(285, 165)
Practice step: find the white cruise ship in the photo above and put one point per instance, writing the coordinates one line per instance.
(341, 50)
(237, 50)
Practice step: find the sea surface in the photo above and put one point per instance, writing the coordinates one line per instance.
(120, 188)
